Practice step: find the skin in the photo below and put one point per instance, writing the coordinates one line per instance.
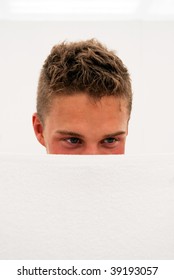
(77, 124)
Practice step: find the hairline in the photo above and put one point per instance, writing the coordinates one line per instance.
(94, 99)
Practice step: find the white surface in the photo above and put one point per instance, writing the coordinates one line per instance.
(86, 9)
(87, 207)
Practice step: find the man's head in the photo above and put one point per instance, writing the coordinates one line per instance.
(84, 100)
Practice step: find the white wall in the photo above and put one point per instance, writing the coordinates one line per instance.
(145, 47)
(87, 208)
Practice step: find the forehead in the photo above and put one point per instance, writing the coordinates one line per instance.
(81, 101)
(84, 114)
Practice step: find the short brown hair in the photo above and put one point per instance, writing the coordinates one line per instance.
(85, 66)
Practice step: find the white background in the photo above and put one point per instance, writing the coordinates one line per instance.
(146, 46)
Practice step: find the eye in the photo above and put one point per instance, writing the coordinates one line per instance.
(73, 140)
(110, 140)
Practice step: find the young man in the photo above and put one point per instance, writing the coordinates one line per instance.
(84, 100)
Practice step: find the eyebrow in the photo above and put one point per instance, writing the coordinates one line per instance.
(114, 134)
(75, 134)
(71, 133)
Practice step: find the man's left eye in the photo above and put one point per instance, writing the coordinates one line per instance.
(110, 140)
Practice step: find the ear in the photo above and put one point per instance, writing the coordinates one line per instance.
(38, 129)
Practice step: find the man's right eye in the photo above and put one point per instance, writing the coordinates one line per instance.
(73, 140)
